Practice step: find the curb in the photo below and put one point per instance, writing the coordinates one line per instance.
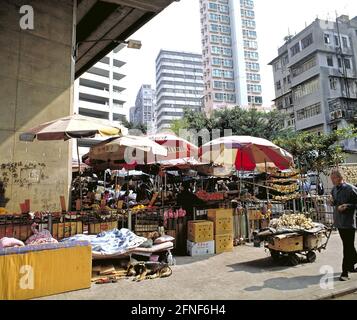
(339, 293)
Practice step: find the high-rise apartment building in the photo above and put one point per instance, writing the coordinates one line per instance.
(230, 54)
(145, 106)
(98, 92)
(315, 76)
(179, 86)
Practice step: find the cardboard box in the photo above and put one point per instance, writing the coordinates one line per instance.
(224, 243)
(222, 220)
(200, 231)
(287, 243)
(200, 248)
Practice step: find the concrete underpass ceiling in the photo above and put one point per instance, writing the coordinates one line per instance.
(109, 19)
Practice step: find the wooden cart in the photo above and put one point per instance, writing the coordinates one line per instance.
(288, 247)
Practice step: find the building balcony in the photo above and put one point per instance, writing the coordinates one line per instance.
(94, 92)
(93, 106)
(96, 78)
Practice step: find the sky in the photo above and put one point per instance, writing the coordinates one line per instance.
(178, 28)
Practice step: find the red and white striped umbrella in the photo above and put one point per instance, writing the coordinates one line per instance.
(246, 153)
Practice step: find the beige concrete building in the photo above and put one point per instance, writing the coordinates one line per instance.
(39, 63)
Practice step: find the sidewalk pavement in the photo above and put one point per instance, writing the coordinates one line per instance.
(245, 274)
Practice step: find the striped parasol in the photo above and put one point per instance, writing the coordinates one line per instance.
(246, 153)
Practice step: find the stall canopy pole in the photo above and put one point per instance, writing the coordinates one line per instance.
(80, 175)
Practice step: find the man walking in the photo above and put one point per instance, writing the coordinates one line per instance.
(345, 202)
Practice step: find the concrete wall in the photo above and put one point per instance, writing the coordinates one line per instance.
(36, 85)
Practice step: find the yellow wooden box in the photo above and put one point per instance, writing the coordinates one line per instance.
(287, 243)
(222, 220)
(43, 273)
(200, 231)
(224, 243)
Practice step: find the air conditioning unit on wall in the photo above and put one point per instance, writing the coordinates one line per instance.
(339, 114)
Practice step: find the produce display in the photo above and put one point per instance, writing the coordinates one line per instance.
(350, 174)
(285, 188)
(203, 195)
(3, 211)
(292, 221)
(293, 196)
(292, 174)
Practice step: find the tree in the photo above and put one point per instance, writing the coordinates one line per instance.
(177, 125)
(268, 125)
(135, 127)
(314, 152)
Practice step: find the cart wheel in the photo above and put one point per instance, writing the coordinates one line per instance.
(311, 256)
(294, 260)
(275, 255)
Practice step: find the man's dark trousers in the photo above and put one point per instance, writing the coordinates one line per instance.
(349, 251)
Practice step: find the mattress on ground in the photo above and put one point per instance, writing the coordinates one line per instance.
(154, 249)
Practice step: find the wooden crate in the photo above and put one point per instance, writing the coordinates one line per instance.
(222, 220)
(224, 243)
(200, 231)
(287, 243)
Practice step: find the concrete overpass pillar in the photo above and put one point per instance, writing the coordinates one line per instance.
(36, 85)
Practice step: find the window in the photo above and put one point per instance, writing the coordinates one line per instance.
(252, 66)
(253, 77)
(307, 65)
(337, 41)
(213, 27)
(285, 60)
(344, 42)
(252, 88)
(333, 83)
(330, 61)
(217, 73)
(212, 6)
(223, 9)
(228, 74)
(277, 65)
(288, 78)
(251, 55)
(309, 112)
(217, 84)
(227, 52)
(248, 23)
(278, 85)
(347, 63)
(229, 86)
(228, 63)
(327, 38)
(214, 17)
(307, 41)
(339, 62)
(306, 88)
(295, 49)
(216, 61)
